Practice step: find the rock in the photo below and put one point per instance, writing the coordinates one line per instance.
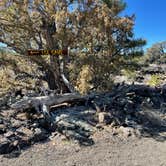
(126, 131)
(104, 118)
(16, 123)
(39, 135)
(23, 136)
(22, 116)
(7, 113)
(5, 146)
(9, 134)
(2, 128)
(15, 143)
(24, 131)
(65, 125)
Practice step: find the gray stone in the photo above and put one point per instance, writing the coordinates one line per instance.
(39, 135)
(9, 134)
(2, 128)
(24, 131)
(17, 123)
(126, 131)
(5, 145)
(22, 116)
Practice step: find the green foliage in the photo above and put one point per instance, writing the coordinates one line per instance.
(155, 80)
(96, 26)
(88, 72)
(156, 54)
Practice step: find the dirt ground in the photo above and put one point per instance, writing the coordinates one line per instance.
(107, 150)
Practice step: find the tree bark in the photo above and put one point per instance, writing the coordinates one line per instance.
(37, 102)
(50, 79)
(56, 79)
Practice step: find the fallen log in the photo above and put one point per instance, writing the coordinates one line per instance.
(42, 104)
(37, 102)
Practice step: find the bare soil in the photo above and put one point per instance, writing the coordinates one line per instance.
(107, 150)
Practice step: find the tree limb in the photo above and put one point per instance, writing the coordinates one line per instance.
(37, 102)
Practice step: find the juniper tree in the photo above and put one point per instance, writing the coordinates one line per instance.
(92, 25)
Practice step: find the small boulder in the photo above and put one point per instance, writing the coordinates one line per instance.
(126, 131)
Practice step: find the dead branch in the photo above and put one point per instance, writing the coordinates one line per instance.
(37, 102)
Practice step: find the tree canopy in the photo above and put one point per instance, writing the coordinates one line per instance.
(157, 53)
(95, 30)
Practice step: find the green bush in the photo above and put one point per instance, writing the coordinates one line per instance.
(155, 80)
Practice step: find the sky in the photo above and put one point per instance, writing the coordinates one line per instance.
(150, 19)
